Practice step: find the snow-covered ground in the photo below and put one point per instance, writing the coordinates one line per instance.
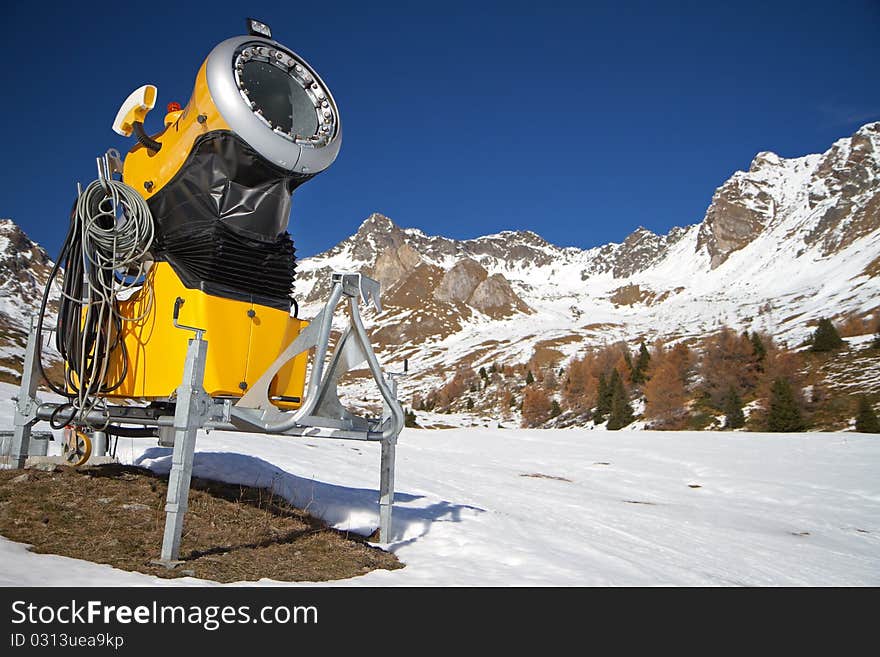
(482, 506)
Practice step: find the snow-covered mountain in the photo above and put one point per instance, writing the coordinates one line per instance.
(782, 244)
(24, 269)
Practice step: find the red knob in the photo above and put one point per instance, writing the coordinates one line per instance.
(173, 107)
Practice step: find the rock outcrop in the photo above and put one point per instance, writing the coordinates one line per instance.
(494, 297)
(459, 283)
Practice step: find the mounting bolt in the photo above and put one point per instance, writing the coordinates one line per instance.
(252, 313)
(201, 118)
(148, 185)
(243, 385)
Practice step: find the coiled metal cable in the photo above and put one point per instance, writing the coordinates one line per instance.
(105, 256)
(110, 241)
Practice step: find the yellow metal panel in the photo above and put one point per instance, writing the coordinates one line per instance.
(144, 166)
(243, 340)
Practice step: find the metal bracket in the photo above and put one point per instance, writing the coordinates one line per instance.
(322, 407)
(354, 285)
(27, 403)
(108, 164)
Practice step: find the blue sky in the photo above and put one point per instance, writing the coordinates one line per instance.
(580, 121)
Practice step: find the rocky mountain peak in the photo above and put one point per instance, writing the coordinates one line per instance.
(24, 269)
(374, 236)
(24, 265)
(737, 214)
(377, 224)
(844, 193)
(833, 198)
(640, 248)
(522, 237)
(764, 159)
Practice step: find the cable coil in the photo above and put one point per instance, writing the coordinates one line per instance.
(104, 256)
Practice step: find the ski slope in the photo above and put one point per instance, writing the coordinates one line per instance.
(609, 508)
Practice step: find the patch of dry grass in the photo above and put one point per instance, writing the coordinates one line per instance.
(114, 514)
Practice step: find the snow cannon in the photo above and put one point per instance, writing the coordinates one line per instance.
(177, 310)
(218, 180)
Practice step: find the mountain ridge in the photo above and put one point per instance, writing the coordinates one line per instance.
(781, 244)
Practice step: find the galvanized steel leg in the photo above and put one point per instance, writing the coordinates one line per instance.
(189, 415)
(386, 489)
(386, 471)
(25, 407)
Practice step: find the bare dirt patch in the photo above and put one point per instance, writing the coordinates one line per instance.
(629, 295)
(599, 327)
(114, 514)
(873, 268)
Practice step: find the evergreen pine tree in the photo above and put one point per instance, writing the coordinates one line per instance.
(529, 378)
(483, 374)
(627, 358)
(758, 347)
(409, 418)
(555, 409)
(733, 413)
(470, 403)
(784, 415)
(603, 399)
(641, 366)
(621, 411)
(866, 419)
(614, 381)
(826, 337)
(512, 401)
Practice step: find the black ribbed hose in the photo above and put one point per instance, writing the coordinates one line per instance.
(144, 139)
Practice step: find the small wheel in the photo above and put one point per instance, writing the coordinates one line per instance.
(77, 446)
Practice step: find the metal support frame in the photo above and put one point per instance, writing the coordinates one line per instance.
(386, 473)
(321, 407)
(322, 415)
(386, 488)
(26, 405)
(191, 410)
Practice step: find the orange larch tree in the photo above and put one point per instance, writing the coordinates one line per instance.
(536, 406)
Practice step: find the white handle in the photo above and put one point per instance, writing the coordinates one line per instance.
(135, 108)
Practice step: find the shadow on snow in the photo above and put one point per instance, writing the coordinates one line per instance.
(343, 507)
